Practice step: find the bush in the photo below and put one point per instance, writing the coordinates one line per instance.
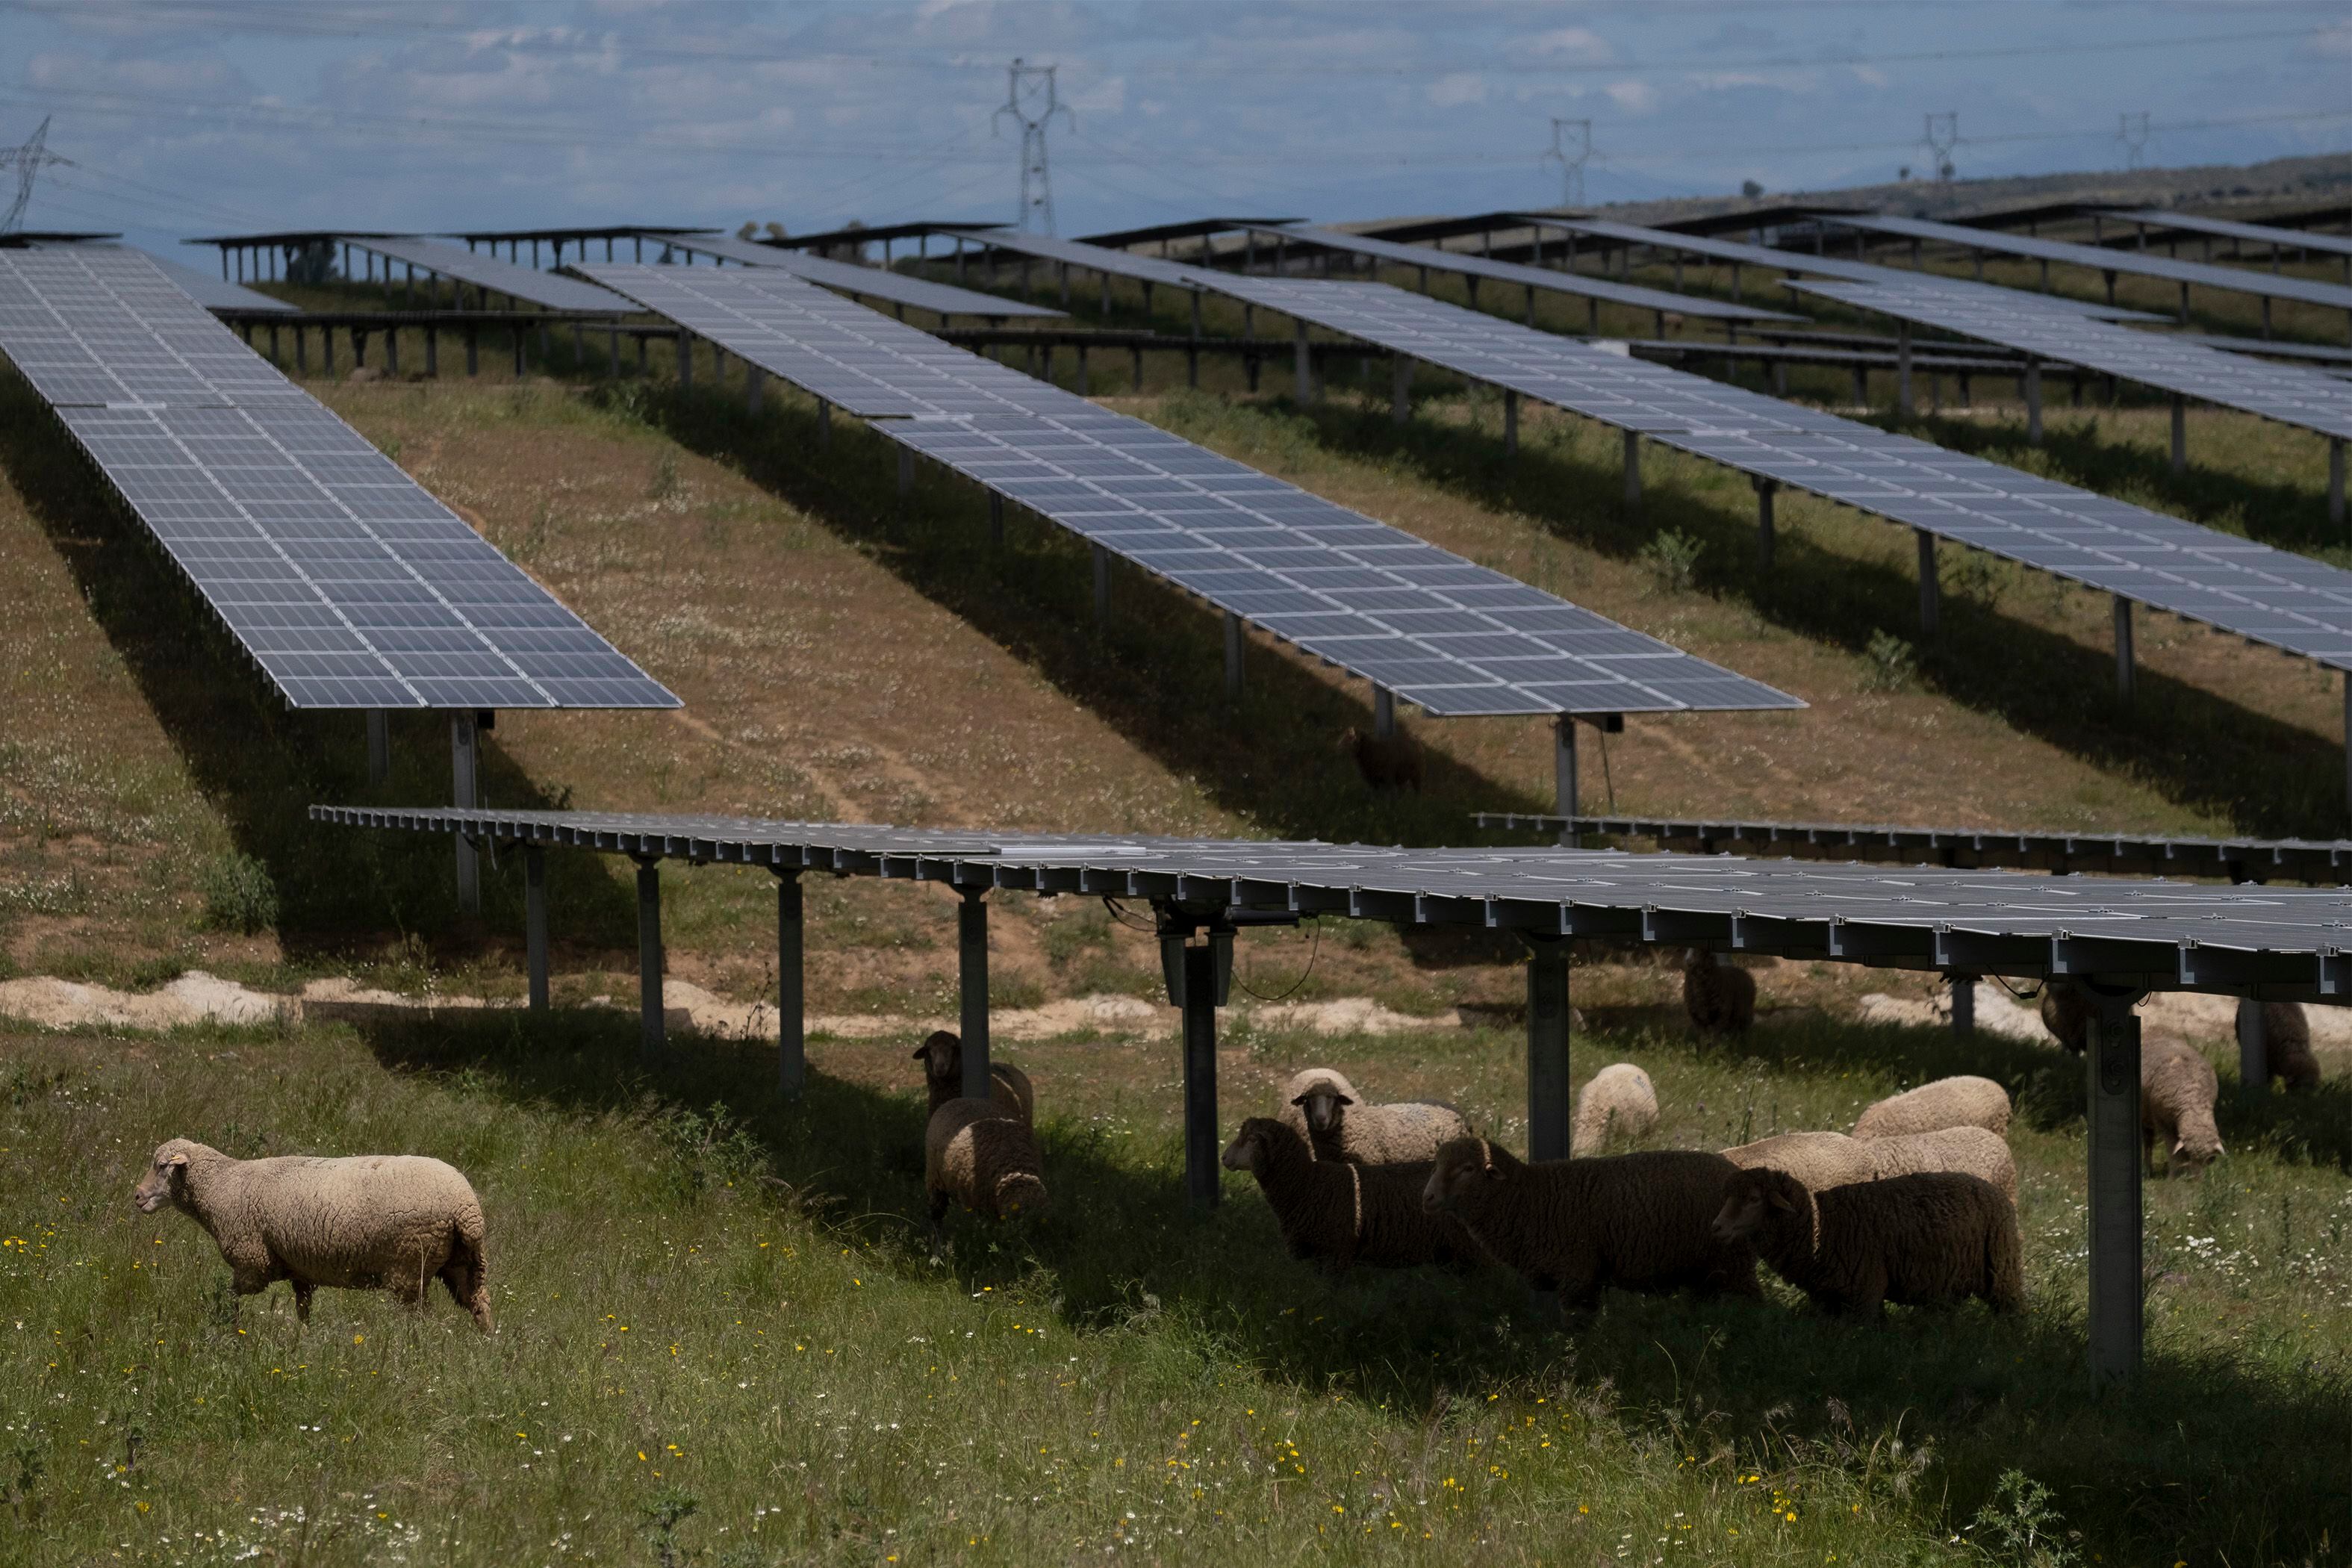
(239, 892)
(1892, 664)
(1672, 560)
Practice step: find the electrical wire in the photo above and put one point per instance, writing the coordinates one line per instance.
(1313, 952)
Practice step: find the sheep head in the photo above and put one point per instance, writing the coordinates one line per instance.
(1325, 1097)
(1758, 1200)
(2196, 1146)
(1259, 1141)
(1020, 1192)
(163, 1183)
(943, 1057)
(1467, 1169)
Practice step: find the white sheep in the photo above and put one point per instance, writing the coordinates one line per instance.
(1618, 1102)
(1962, 1101)
(1817, 1159)
(1321, 1105)
(980, 1156)
(371, 1222)
(1967, 1150)
(2178, 1087)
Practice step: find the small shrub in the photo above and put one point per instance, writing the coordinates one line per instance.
(239, 893)
(1072, 934)
(1890, 663)
(2020, 1526)
(666, 484)
(1672, 560)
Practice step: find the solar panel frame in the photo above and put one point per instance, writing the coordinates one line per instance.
(2270, 597)
(1097, 258)
(345, 582)
(2302, 239)
(1332, 581)
(874, 282)
(550, 291)
(214, 293)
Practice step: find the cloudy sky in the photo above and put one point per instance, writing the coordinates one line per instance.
(192, 116)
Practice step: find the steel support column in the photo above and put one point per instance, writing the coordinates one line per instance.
(2253, 1053)
(995, 520)
(1564, 795)
(1549, 1093)
(649, 957)
(1305, 368)
(1510, 423)
(971, 989)
(463, 744)
(1930, 592)
(534, 923)
(1400, 392)
(1383, 713)
(1632, 470)
(1903, 369)
(1764, 490)
(2124, 668)
(1964, 1003)
(1102, 586)
(906, 472)
(2112, 1065)
(1234, 646)
(379, 747)
(2033, 402)
(2336, 482)
(2179, 434)
(792, 1013)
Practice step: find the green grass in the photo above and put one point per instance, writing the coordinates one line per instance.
(720, 1311)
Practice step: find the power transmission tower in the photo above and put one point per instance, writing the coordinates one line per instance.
(1031, 101)
(2132, 135)
(1571, 147)
(26, 161)
(1942, 136)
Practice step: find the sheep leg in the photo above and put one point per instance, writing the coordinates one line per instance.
(467, 1274)
(303, 1291)
(939, 1213)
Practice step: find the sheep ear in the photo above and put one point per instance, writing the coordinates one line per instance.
(1778, 1199)
(1343, 1099)
(174, 1160)
(922, 1053)
(1303, 1099)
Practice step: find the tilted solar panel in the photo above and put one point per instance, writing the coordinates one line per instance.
(1437, 630)
(2302, 239)
(530, 284)
(348, 583)
(2270, 597)
(2291, 394)
(874, 282)
(1097, 257)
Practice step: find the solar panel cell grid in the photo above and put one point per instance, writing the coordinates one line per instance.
(872, 283)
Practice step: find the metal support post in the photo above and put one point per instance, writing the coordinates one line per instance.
(824, 423)
(1383, 713)
(1930, 591)
(971, 989)
(463, 745)
(649, 957)
(534, 923)
(1564, 795)
(1102, 586)
(2112, 1063)
(473, 351)
(1233, 645)
(1400, 390)
(2033, 402)
(2253, 1053)
(2179, 434)
(755, 387)
(2123, 648)
(791, 1018)
(1305, 368)
(2335, 482)
(1549, 1095)
(1200, 1005)
(906, 472)
(379, 747)
(1510, 423)
(685, 359)
(1632, 470)
(995, 520)
(1903, 369)
(1964, 1003)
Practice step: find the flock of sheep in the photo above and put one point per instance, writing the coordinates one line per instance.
(1917, 1205)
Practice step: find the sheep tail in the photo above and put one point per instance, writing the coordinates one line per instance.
(467, 1272)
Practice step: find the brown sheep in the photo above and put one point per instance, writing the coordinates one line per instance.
(1962, 1101)
(1323, 1106)
(1639, 1222)
(1720, 999)
(2066, 1014)
(2178, 1087)
(980, 1156)
(942, 1060)
(2286, 1045)
(1345, 1213)
(1923, 1239)
(1393, 762)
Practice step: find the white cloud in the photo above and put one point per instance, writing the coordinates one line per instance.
(1107, 96)
(1632, 97)
(2335, 40)
(1458, 88)
(1574, 43)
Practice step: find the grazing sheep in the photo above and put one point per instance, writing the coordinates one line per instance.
(1720, 1000)
(2286, 1045)
(1323, 1106)
(1817, 1159)
(373, 1222)
(979, 1155)
(1971, 1151)
(1345, 1213)
(1961, 1101)
(2176, 1090)
(1922, 1240)
(1640, 1222)
(1390, 762)
(2066, 1014)
(942, 1060)
(1618, 1100)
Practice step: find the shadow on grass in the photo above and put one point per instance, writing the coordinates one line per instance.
(260, 764)
(2227, 1456)
(2196, 746)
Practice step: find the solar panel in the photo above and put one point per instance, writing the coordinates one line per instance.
(1429, 625)
(2238, 280)
(872, 283)
(1097, 258)
(551, 290)
(212, 293)
(2288, 393)
(2269, 597)
(2253, 233)
(2170, 935)
(1512, 272)
(346, 582)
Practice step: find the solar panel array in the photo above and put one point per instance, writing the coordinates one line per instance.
(2183, 935)
(345, 581)
(1097, 258)
(214, 293)
(2270, 597)
(551, 290)
(2253, 233)
(1437, 630)
(1513, 272)
(2288, 393)
(874, 282)
(2332, 295)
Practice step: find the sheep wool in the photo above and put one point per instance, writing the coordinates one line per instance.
(371, 1222)
(1817, 1159)
(1962, 1101)
(2286, 1044)
(1971, 1151)
(1618, 1103)
(942, 1060)
(2178, 1087)
(1639, 1222)
(1720, 999)
(1923, 1239)
(1324, 1107)
(982, 1157)
(2066, 1014)
(1345, 1213)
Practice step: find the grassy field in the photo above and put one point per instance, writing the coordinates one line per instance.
(722, 1338)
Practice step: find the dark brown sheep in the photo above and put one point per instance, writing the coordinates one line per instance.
(1925, 1239)
(2286, 1045)
(1720, 1000)
(982, 1157)
(942, 1060)
(2066, 1014)
(1386, 762)
(1639, 1222)
(1345, 1213)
